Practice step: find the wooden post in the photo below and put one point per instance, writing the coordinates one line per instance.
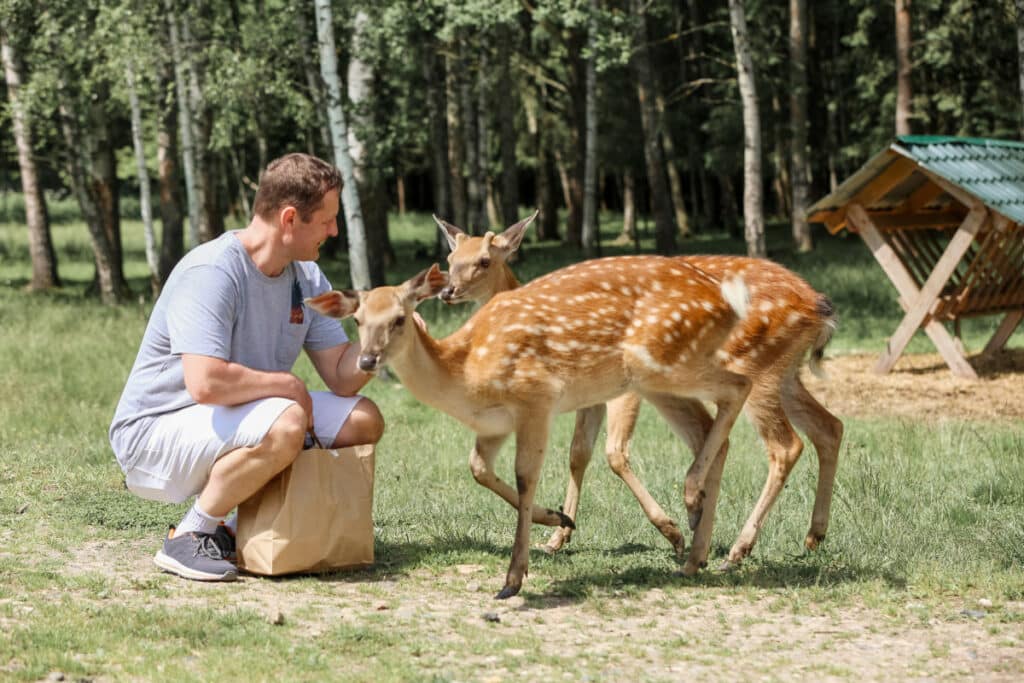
(919, 302)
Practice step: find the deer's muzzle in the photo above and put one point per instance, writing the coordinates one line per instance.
(368, 362)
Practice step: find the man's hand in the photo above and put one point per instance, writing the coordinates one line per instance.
(300, 394)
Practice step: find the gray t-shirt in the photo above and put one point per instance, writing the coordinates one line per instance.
(217, 303)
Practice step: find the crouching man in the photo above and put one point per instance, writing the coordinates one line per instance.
(211, 408)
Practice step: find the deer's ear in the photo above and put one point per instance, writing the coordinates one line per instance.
(335, 304)
(510, 240)
(452, 234)
(425, 285)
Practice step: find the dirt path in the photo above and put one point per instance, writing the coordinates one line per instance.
(922, 387)
(667, 633)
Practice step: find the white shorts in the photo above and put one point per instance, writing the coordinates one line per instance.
(184, 445)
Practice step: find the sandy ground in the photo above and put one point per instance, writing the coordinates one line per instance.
(921, 386)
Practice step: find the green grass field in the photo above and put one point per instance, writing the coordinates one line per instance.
(925, 514)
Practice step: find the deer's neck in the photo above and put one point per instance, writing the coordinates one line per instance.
(508, 279)
(434, 372)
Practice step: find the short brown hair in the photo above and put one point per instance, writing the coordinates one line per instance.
(298, 180)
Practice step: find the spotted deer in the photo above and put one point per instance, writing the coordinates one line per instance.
(787, 320)
(581, 335)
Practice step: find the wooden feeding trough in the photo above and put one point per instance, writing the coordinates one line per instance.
(944, 217)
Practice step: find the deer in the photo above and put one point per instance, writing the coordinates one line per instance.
(789, 321)
(578, 336)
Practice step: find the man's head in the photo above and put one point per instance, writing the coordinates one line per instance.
(297, 180)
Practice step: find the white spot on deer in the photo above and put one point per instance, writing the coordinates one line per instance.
(723, 355)
(667, 322)
(482, 351)
(677, 316)
(667, 338)
(641, 354)
(512, 347)
(555, 329)
(656, 286)
(693, 345)
(606, 286)
(766, 306)
(792, 318)
(765, 319)
(708, 306)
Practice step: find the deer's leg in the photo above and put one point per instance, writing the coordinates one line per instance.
(826, 433)
(784, 447)
(531, 443)
(588, 422)
(691, 422)
(622, 416)
(729, 391)
(481, 464)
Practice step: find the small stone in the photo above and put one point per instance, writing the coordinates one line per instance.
(21, 510)
(55, 676)
(380, 606)
(473, 586)
(275, 617)
(492, 617)
(984, 602)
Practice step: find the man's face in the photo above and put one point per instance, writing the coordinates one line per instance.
(309, 236)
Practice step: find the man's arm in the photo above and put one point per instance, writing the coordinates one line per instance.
(220, 382)
(338, 368)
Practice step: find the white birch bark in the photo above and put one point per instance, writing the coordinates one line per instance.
(753, 208)
(359, 265)
(188, 150)
(145, 200)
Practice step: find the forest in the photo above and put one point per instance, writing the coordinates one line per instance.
(687, 116)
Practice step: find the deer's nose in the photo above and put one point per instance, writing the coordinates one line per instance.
(368, 362)
(447, 294)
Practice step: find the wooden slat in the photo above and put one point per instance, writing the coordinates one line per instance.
(922, 196)
(892, 176)
(1002, 334)
(921, 219)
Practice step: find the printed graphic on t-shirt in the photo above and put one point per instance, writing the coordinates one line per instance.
(297, 317)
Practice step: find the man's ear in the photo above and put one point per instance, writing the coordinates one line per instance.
(335, 304)
(452, 234)
(512, 237)
(425, 285)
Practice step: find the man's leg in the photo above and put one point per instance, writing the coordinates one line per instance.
(364, 425)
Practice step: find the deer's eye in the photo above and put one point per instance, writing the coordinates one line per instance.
(485, 263)
(399, 321)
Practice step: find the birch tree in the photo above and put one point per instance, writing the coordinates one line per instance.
(188, 158)
(145, 202)
(753, 209)
(40, 245)
(359, 264)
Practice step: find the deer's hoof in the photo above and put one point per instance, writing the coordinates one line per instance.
(728, 566)
(507, 592)
(813, 541)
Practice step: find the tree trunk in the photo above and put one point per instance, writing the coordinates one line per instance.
(665, 227)
(780, 157)
(903, 66)
(456, 153)
(730, 211)
(359, 264)
(40, 245)
(313, 82)
(475, 213)
(590, 237)
(675, 181)
(798, 122)
(628, 234)
(184, 123)
(90, 167)
(507, 130)
(208, 171)
(145, 203)
(572, 170)
(753, 210)
(372, 191)
(1020, 56)
(172, 243)
(440, 171)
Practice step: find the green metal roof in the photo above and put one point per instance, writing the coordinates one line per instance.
(991, 170)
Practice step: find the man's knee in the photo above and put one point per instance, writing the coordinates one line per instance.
(288, 432)
(365, 425)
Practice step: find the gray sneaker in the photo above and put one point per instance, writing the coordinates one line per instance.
(195, 556)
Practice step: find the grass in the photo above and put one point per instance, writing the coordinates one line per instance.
(930, 514)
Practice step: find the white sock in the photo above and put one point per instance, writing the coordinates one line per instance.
(197, 520)
(232, 522)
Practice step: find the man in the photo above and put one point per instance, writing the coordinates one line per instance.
(211, 408)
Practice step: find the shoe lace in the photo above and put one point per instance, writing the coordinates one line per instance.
(207, 547)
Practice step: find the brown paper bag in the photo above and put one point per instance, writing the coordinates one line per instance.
(316, 515)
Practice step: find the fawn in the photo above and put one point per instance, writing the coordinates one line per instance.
(788, 319)
(578, 336)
